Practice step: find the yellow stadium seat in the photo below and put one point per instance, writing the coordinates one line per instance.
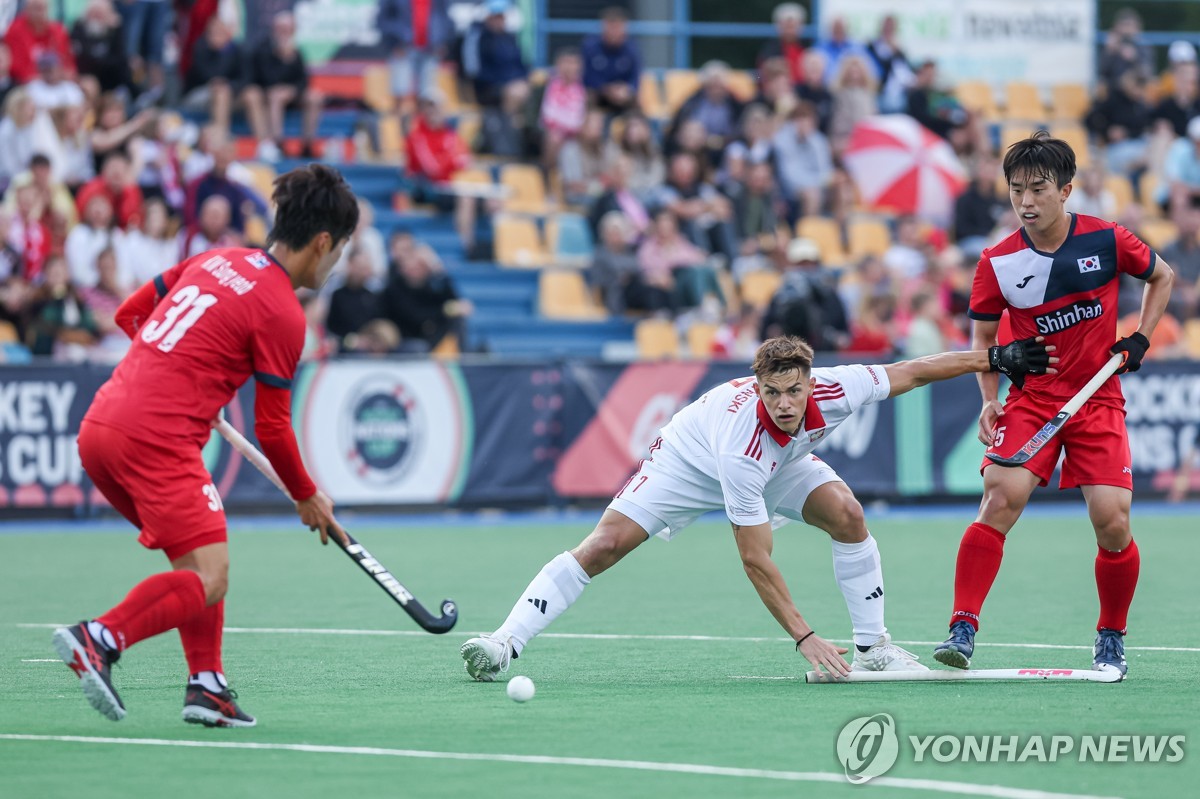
(262, 178)
(1122, 191)
(1148, 185)
(1075, 135)
(700, 338)
(743, 85)
(468, 129)
(8, 332)
(377, 88)
(678, 86)
(1069, 101)
(447, 348)
(517, 242)
(1012, 132)
(977, 95)
(868, 237)
(650, 96)
(1022, 100)
(759, 287)
(656, 339)
(256, 231)
(1191, 337)
(528, 190)
(562, 294)
(827, 234)
(1158, 233)
(391, 138)
(447, 83)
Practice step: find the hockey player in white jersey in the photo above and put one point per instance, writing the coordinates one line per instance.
(746, 447)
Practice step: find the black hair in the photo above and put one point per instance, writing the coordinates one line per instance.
(38, 159)
(311, 200)
(1040, 156)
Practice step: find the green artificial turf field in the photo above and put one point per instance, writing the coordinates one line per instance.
(638, 676)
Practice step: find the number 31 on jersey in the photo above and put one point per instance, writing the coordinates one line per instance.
(189, 306)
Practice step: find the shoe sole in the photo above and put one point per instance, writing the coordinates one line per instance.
(952, 658)
(476, 660)
(97, 693)
(193, 714)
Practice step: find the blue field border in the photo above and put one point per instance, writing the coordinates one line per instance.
(585, 517)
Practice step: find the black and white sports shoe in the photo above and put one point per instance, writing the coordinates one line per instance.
(1109, 651)
(92, 663)
(212, 709)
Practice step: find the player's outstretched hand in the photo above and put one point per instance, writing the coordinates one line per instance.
(989, 417)
(821, 653)
(317, 513)
(1134, 346)
(1027, 356)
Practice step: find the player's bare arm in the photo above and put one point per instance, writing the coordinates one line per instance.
(1016, 359)
(983, 336)
(1154, 304)
(754, 545)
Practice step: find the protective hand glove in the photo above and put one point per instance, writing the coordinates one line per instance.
(1028, 356)
(1134, 346)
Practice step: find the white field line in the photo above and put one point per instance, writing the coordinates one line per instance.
(41, 660)
(939, 786)
(622, 637)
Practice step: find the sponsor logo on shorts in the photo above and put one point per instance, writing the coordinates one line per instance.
(1060, 320)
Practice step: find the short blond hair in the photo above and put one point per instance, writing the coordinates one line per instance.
(782, 354)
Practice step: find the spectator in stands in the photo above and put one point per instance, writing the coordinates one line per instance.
(505, 128)
(837, 45)
(563, 105)
(807, 302)
(979, 208)
(243, 203)
(155, 162)
(620, 196)
(1180, 187)
(612, 64)
(776, 92)
(420, 299)
(77, 164)
(691, 138)
(277, 80)
(149, 250)
(1091, 197)
(703, 214)
(906, 258)
(51, 89)
(53, 197)
(895, 72)
(581, 161)
(1120, 122)
(28, 234)
(367, 241)
(417, 35)
(61, 323)
(435, 152)
(93, 235)
(814, 91)
(758, 213)
(752, 146)
(99, 48)
(615, 274)
(871, 332)
(870, 278)
(939, 111)
(216, 76)
(33, 33)
(789, 19)
(492, 56)
(805, 162)
(6, 79)
(667, 257)
(854, 98)
(145, 29)
(713, 106)
(116, 183)
(1184, 255)
(924, 336)
(212, 229)
(25, 131)
(636, 140)
(1172, 113)
(102, 300)
(115, 130)
(352, 304)
(1125, 50)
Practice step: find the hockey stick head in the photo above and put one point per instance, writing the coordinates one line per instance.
(1034, 445)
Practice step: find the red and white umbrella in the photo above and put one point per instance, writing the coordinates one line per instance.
(899, 164)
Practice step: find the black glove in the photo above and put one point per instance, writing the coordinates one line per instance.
(1019, 358)
(1134, 346)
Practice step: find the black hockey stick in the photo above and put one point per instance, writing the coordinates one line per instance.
(365, 560)
(1051, 428)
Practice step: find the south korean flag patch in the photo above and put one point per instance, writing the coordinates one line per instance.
(1089, 264)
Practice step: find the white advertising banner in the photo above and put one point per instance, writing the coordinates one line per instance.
(991, 40)
(381, 433)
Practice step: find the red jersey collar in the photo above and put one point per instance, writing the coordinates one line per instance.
(813, 420)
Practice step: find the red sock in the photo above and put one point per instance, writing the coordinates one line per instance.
(155, 605)
(979, 556)
(201, 637)
(1116, 580)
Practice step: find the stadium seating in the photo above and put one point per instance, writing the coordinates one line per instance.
(517, 242)
(678, 86)
(976, 95)
(562, 294)
(377, 88)
(867, 236)
(1074, 134)
(757, 288)
(828, 236)
(1022, 100)
(1158, 233)
(700, 338)
(569, 240)
(656, 339)
(1122, 191)
(528, 189)
(1069, 101)
(650, 96)
(743, 85)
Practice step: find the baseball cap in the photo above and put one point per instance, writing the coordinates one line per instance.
(803, 250)
(497, 6)
(1180, 52)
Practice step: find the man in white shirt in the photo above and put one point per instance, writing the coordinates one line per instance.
(746, 447)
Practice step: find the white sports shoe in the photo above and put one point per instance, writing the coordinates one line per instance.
(486, 657)
(886, 656)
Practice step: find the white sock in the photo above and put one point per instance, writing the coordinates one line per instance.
(101, 633)
(556, 587)
(860, 576)
(212, 680)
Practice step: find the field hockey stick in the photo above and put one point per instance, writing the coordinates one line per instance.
(365, 560)
(1041, 437)
(946, 675)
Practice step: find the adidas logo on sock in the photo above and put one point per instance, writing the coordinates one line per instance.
(878, 592)
(540, 604)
